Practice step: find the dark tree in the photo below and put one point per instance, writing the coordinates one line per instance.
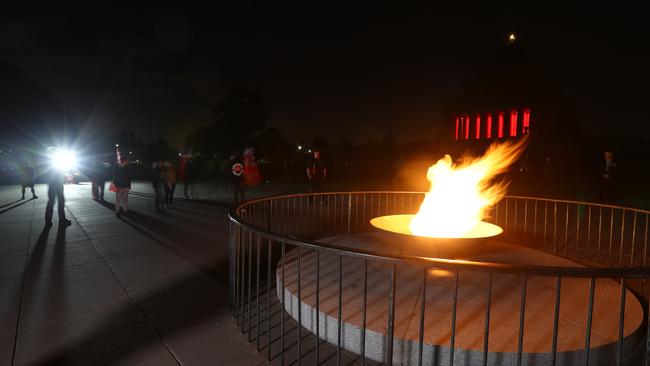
(240, 115)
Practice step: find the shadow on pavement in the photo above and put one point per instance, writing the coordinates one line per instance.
(173, 308)
(14, 206)
(11, 203)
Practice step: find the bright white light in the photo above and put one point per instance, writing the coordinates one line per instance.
(299, 147)
(64, 160)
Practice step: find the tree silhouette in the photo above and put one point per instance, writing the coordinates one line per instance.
(240, 115)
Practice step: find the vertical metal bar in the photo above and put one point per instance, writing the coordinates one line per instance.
(340, 312)
(525, 216)
(556, 319)
(257, 294)
(505, 225)
(545, 220)
(535, 221)
(335, 207)
(422, 306)
(299, 306)
(394, 204)
(363, 213)
(486, 333)
(317, 306)
(391, 315)
(237, 271)
(522, 313)
(516, 202)
(555, 227)
(577, 230)
(589, 234)
(250, 280)
(356, 210)
(590, 316)
(611, 236)
(620, 258)
(232, 253)
(243, 284)
(268, 300)
(600, 225)
(452, 339)
(379, 205)
(349, 211)
(621, 322)
(363, 315)
(647, 344)
(282, 302)
(633, 239)
(645, 252)
(566, 230)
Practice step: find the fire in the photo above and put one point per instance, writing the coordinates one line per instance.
(461, 194)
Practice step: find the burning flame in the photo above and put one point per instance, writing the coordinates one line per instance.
(460, 194)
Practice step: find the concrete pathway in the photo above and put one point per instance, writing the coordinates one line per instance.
(146, 289)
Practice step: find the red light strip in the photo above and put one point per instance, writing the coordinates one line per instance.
(500, 134)
(489, 126)
(513, 123)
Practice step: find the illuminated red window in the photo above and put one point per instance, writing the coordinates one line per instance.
(488, 131)
(513, 123)
(457, 127)
(478, 126)
(500, 132)
(466, 127)
(526, 122)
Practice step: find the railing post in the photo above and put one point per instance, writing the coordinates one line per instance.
(349, 211)
(231, 266)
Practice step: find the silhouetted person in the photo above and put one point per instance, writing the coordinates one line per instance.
(98, 181)
(158, 183)
(27, 175)
(236, 165)
(186, 175)
(316, 172)
(122, 181)
(55, 192)
(607, 181)
(170, 183)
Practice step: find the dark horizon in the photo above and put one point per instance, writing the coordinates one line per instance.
(345, 73)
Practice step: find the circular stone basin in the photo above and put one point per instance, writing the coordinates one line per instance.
(397, 226)
(471, 308)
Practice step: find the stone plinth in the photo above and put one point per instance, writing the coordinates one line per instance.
(471, 309)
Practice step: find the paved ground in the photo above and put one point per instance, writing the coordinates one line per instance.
(146, 289)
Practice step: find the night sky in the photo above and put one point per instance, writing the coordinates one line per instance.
(347, 73)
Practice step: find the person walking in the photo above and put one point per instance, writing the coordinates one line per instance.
(236, 165)
(185, 175)
(55, 193)
(170, 183)
(316, 172)
(98, 181)
(158, 183)
(27, 175)
(607, 181)
(122, 182)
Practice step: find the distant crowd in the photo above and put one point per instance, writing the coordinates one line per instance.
(243, 171)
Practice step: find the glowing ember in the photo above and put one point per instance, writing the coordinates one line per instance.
(460, 194)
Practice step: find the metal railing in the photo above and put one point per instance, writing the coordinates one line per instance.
(606, 243)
